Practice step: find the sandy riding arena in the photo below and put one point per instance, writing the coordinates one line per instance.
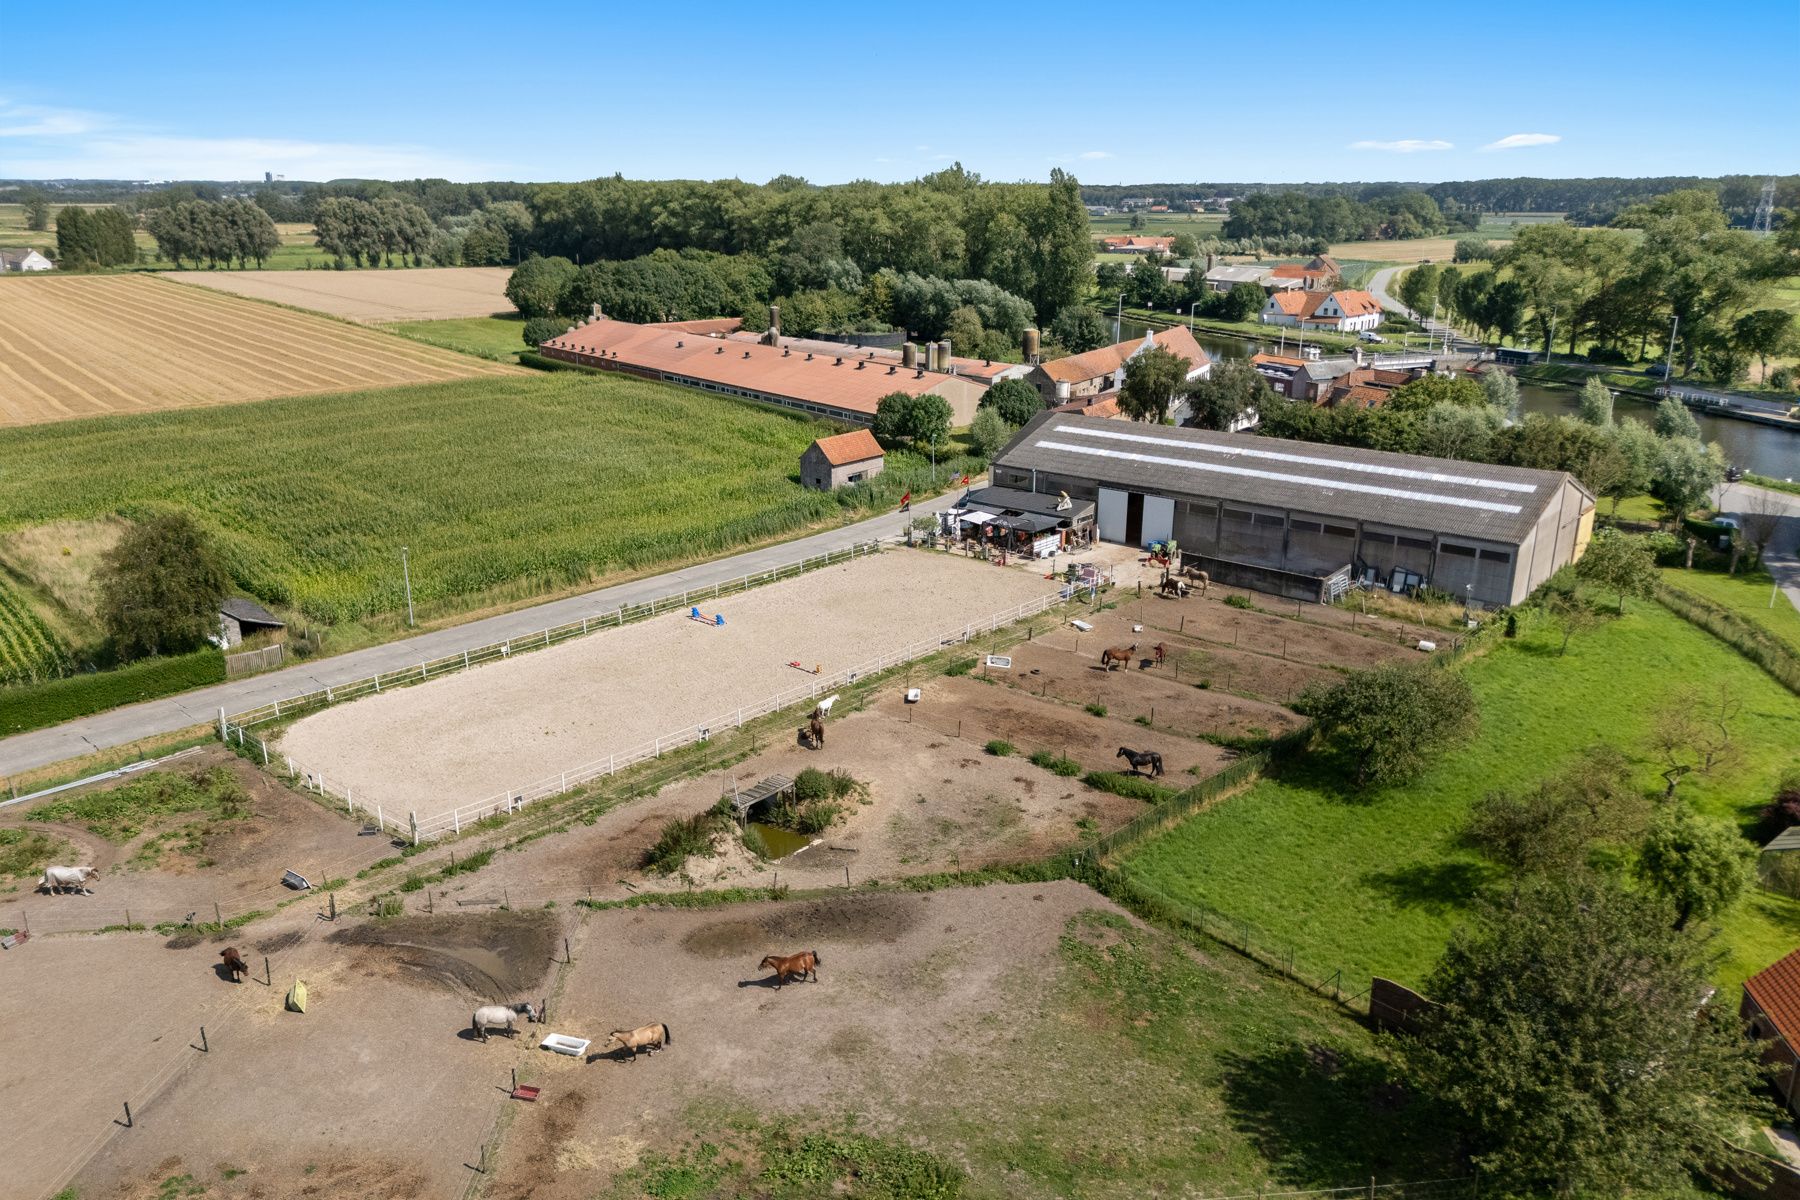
(420, 294)
(472, 736)
(83, 346)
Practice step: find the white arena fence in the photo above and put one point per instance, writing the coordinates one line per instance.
(410, 827)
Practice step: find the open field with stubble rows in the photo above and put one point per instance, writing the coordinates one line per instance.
(81, 346)
(528, 482)
(412, 294)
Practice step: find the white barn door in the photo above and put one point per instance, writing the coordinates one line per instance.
(1110, 515)
(1159, 519)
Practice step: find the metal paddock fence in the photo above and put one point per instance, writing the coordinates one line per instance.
(416, 829)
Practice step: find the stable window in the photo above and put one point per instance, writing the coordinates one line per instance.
(1413, 543)
(1384, 539)
(1238, 514)
(1459, 551)
(1306, 526)
(1496, 556)
(1340, 531)
(1266, 519)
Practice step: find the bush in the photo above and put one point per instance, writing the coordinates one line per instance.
(1099, 710)
(1783, 811)
(1239, 602)
(1133, 787)
(681, 838)
(1055, 763)
(962, 667)
(1000, 748)
(539, 330)
(1782, 379)
(37, 705)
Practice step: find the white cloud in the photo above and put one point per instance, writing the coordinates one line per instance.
(128, 155)
(1405, 145)
(1091, 154)
(36, 121)
(1513, 141)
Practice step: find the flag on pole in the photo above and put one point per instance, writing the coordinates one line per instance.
(964, 481)
(906, 502)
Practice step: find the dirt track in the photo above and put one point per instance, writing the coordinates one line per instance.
(474, 735)
(418, 294)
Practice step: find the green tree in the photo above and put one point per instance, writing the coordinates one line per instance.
(1391, 721)
(893, 414)
(1472, 249)
(1765, 332)
(37, 210)
(928, 420)
(87, 239)
(1619, 563)
(1673, 420)
(1458, 431)
(1595, 404)
(160, 587)
(1184, 246)
(1230, 389)
(1699, 865)
(1078, 328)
(1242, 302)
(1567, 1041)
(1639, 451)
(539, 330)
(1686, 473)
(485, 245)
(538, 286)
(1152, 378)
(1015, 400)
(1419, 287)
(990, 431)
(1500, 388)
(1431, 390)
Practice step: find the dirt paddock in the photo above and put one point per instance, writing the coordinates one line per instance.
(236, 864)
(473, 735)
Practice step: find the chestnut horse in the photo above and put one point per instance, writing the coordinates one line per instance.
(234, 963)
(1117, 654)
(802, 964)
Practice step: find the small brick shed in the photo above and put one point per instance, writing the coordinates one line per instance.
(841, 460)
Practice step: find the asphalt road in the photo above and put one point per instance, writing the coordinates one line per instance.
(1782, 557)
(90, 735)
(1378, 288)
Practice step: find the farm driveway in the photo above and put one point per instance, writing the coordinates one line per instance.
(90, 735)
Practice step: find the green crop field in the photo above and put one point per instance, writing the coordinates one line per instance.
(486, 337)
(1374, 885)
(29, 649)
(503, 488)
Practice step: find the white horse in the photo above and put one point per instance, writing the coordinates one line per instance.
(55, 879)
(502, 1016)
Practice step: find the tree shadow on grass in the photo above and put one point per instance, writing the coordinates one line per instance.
(1327, 1117)
(1437, 888)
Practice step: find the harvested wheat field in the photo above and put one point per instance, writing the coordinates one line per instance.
(83, 346)
(476, 734)
(418, 294)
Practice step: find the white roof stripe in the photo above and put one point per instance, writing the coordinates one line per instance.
(1309, 480)
(1305, 460)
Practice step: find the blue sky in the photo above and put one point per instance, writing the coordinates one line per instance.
(846, 91)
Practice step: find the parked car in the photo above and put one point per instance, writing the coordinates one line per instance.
(1733, 473)
(1657, 370)
(1369, 335)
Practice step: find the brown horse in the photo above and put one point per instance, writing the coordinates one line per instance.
(1172, 586)
(1159, 654)
(802, 964)
(813, 732)
(648, 1038)
(1117, 654)
(234, 963)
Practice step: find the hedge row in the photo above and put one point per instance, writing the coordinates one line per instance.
(59, 700)
(1748, 639)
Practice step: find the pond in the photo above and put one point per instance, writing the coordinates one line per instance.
(778, 841)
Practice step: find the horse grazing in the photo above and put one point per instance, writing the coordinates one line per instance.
(502, 1016)
(55, 879)
(1117, 654)
(1200, 577)
(648, 1038)
(802, 964)
(234, 963)
(1140, 759)
(1172, 586)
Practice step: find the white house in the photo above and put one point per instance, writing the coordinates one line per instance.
(1344, 312)
(24, 260)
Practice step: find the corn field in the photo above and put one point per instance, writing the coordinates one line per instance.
(29, 650)
(516, 485)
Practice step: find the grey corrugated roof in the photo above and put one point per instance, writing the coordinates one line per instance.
(1441, 495)
(1005, 499)
(1787, 839)
(248, 610)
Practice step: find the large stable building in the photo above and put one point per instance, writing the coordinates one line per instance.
(1304, 520)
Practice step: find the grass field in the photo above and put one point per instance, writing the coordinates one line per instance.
(83, 345)
(1754, 597)
(1200, 225)
(1374, 886)
(529, 482)
(499, 338)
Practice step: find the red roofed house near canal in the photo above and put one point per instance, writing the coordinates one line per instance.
(1345, 312)
(1771, 1008)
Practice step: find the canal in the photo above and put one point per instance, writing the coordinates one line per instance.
(1762, 449)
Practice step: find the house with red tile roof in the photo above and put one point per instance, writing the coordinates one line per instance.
(1098, 374)
(1133, 244)
(841, 460)
(1343, 312)
(844, 383)
(1771, 1010)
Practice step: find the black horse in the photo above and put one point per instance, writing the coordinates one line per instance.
(1140, 759)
